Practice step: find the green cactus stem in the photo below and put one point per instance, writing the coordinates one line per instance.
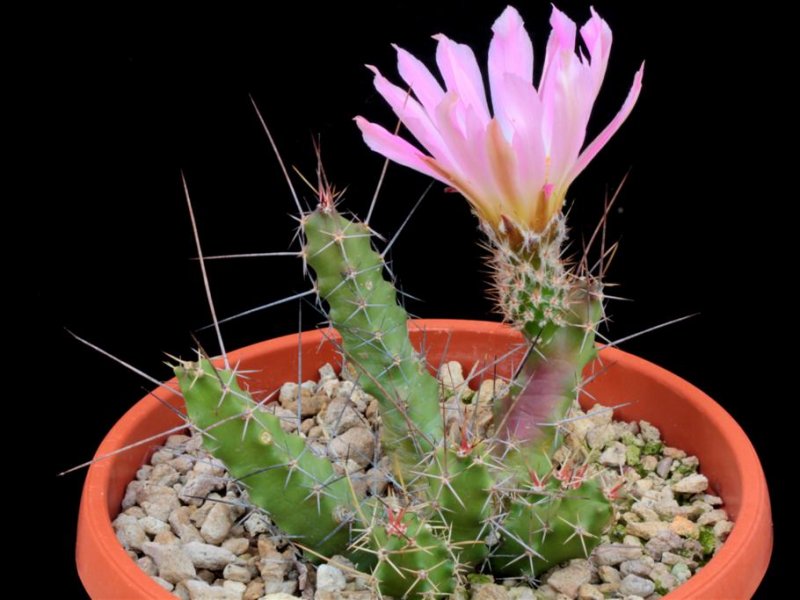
(364, 310)
(563, 521)
(414, 559)
(300, 491)
(461, 483)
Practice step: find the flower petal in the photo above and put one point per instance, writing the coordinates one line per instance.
(560, 42)
(397, 149)
(462, 75)
(597, 36)
(523, 111)
(510, 53)
(597, 144)
(413, 116)
(419, 79)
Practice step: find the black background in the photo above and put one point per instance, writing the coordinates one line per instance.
(129, 99)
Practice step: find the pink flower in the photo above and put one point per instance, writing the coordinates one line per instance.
(515, 165)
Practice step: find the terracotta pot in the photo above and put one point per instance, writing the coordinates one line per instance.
(687, 417)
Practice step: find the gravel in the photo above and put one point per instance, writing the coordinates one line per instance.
(190, 527)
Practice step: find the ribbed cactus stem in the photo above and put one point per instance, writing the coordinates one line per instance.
(564, 520)
(461, 483)
(364, 310)
(414, 558)
(558, 311)
(300, 491)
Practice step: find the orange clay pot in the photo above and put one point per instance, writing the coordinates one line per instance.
(687, 418)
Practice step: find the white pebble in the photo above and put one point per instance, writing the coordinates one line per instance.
(330, 579)
(692, 484)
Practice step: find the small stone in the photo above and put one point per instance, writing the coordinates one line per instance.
(648, 529)
(649, 463)
(712, 516)
(614, 554)
(670, 558)
(129, 532)
(288, 393)
(256, 523)
(310, 405)
(489, 591)
(143, 474)
(282, 587)
(691, 484)
(609, 589)
(684, 527)
(158, 500)
(287, 418)
(357, 443)
(681, 572)
(663, 541)
(711, 500)
(182, 464)
(278, 596)
(644, 511)
(165, 538)
(163, 583)
(377, 478)
(209, 466)
(632, 541)
(254, 590)
(589, 592)
(578, 427)
(635, 585)
(598, 436)
(640, 567)
(339, 416)
(181, 592)
(272, 564)
(521, 593)
(330, 579)
(153, 526)
(207, 556)
(373, 410)
(649, 433)
(569, 580)
(722, 529)
(147, 565)
(199, 485)
(663, 578)
(614, 455)
(451, 375)
(631, 517)
(327, 372)
(218, 523)
(328, 389)
(663, 467)
(490, 389)
(177, 441)
(173, 564)
(608, 574)
(673, 452)
(163, 455)
(237, 545)
(181, 523)
(164, 474)
(200, 590)
(237, 587)
(131, 493)
(642, 487)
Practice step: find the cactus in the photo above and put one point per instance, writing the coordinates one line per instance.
(496, 503)
(463, 502)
